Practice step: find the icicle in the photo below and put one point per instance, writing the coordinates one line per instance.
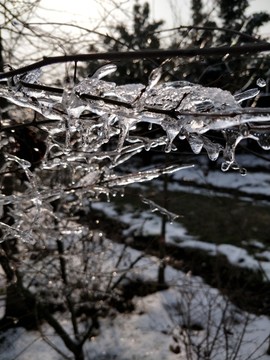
(248, 94)
(34, 195)
(142, 176)
(233, 137)
(195, 142)
(125, 123)
(212, 149)
(171, 135)
(154, 78)
(104, 71)
(155, 207)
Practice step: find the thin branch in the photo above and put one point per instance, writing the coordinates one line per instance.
(143, 54)
(172, 113)
(213, 28)
(91, 31)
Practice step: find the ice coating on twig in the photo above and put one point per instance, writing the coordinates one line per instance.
(93, 126)
(155, 207)
(180, 108)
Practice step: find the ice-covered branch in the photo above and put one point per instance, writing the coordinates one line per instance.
(95, 110)
(92, 127)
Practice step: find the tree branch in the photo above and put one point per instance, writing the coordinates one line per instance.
(243, 35)
(143, 54)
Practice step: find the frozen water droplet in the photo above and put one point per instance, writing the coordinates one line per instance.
(235, 166)
(243, 171)
(212, 149)
(196, 143)
(261, 82)
(225, 166)
(244, 130)
(248, 94)
(168, 148)
(154, 77)
(182, 134)
(104, 71)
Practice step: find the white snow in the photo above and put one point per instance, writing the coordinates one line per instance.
(159, 322)
(155, 326)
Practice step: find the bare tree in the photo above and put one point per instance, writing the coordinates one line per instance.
(63, 148)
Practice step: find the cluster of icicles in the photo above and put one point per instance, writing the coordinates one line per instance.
(85, 116)
(180, 108)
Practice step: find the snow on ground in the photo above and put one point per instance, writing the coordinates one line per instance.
(177, 322)
(186, 318)
(150, 224)
(255, 182)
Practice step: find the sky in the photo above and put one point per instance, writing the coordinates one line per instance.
(89, 12)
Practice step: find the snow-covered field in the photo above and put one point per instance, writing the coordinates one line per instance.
(185, 321)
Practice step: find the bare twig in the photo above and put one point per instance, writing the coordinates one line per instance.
(143, 54)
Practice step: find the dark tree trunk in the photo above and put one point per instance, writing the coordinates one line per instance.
(20, 308)
(1, 54)
(79, 355)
